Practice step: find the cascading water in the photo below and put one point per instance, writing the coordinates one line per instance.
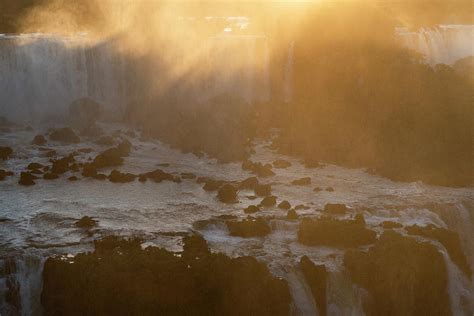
(288, 80)
(441, 44)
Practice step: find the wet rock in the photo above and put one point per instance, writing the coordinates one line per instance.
(61, 166)
(64, 135)
(111, 157)
(334, 233)
(291, 215)
(212, 185)
(335, 208)
(309, 163)
(317, 189)
(188, 175)
(249, 183)
(302, 181)
(39, 140)
(251, 209)
(100, 176)
(330, 189)
(391, 225)
(402, 276)
(316, 277)
(250, 227)
(50, 153)
(4, 174)
(198, 282)
(105, 141)
(159, 175)
(34, 165)
(35, 171)
(27, 179)
(258, 168)
(263, 189)
(86, 222)
(125, 147)
(281, 164)
(5, 153)
(268, 201)
(89, 171)
(227, 194)
(50, 176)
(119, 177)
(359, 219)
(284, 205)
(449, 239)
(301, 207)
(73, 178)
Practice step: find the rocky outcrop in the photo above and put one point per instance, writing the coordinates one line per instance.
(334, 233)
(450, 240)
(64, 135)
(121, 278)
(249, 227)
(316, 277)
(402, 276)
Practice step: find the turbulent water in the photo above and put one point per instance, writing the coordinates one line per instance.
(39, 221)
(443, 44)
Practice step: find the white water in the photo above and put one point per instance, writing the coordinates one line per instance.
(443, 44)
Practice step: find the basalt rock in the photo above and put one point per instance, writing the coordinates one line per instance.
(27, 179)
(61, 166)
(251, 209)
(284, 205)
(316, 277)
(105, 141)
(291, 215)
(249, 183)
(34, 165)
(89, 171)
(402, 276)
(64, 135)
(263, 189)
(73, 178)
(111, 157)
(198, 282)
(159, 175)
(5, 153)
(258, 168)
(39, 140)
(250, 227)
(302, 181)
(227, 194)
(334, 233)
(268, 201)
(450, 240)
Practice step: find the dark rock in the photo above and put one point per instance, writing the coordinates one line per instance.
(111, 157)
(5, 153)
(124, 148)
(198, 282)
(317, 189)
(284, 205)
(159, 175)
(227, 194)
(119, 177)
(263, 189)
(105, 141)
(100, 176)
(268, 201)
(335, 208)
(291, 215)
(258, 168)
(188, 175)
(249, 183)
(27, 179)
(334, 233)
(302, 181)
(35, 171)
(61, 166)
(142, 178)
(4, 174)
(39, 140)
(73, 178)
(89, 171)
(390, 225)
(309, 163)
(64, 135)
(50, 176)
(402, 276)
(34, 165)
(86, 222)
(316, 277)
(359, 219)
(50, 153)
(301, 207)
(250, 227)
(330, 189)
(281, 164)
(212, 185)
(449, 239)
(251, 209)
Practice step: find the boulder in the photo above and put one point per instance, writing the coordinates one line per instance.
(263, 189)
(111, 157)
(89, 171)
(291, 215)
(27, 179)
(212, 185)
(5, 153)
(284, 205)
(197, 282)
(402, 277)
(316, 278)
(330, 189)
(249, 183)
(251, 209)
(39, 140)
(227, 194)
(281, 164)
(119, 177)
(64, 135)
(188, 175)
(317, 189)
(334, 233)
(268, 201)
(335, 208)
(159, 175)
(61, 166)
(34, 165)
(302, 181)
(250, 227)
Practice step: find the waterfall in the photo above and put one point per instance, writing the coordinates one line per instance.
(441, 44)
(288, 79)
(40, 75)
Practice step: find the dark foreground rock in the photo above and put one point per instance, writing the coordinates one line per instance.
(39, 140)
(27, 179)
(250, 227)
(334, 233)
(5, 153)
(227, 194)
(116, 176)
(121, 278)
(316, 277)
(402, 276)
